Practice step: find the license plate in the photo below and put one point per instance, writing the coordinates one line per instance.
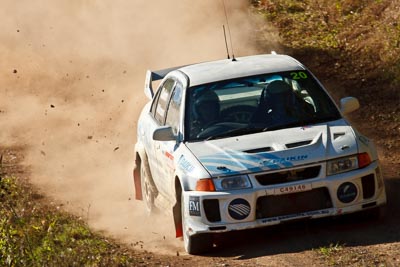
(292, 189)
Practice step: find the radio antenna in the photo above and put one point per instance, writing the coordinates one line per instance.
(226, 43)
(229, 32)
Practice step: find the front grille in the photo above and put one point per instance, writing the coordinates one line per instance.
(288, 176)
(211, 208)
(368, 186)
(281, 205)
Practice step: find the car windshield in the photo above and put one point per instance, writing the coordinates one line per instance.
(254, 104)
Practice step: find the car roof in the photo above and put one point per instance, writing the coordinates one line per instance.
(226, 69)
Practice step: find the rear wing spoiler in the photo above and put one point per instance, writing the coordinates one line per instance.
(152, 76)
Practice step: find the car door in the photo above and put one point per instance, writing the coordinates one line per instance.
(157, 119)
(167, 148)
(167, 112)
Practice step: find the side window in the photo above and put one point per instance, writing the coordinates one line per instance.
(154, 104)
(162, 101)
(174, 108)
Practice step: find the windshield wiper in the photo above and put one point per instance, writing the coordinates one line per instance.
(235, 132)
(284, 126)
(250, 130)
(301, 123)
(323, 119)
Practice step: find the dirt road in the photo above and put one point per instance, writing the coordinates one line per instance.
(71, 87)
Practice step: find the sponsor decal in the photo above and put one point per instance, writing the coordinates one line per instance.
(239, 209)
(268, 162)
(169, 163)
(194, 206)
(169, 155)
(185, 165)
(223, 168)
(347, 192)
(238, 161)
(294, 216)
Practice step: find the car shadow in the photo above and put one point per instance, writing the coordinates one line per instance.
(358, 229)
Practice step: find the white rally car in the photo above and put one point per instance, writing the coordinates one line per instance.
(249, 142)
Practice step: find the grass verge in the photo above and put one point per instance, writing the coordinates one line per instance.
(33, 233)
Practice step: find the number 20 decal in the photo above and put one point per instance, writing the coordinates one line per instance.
(299, 75)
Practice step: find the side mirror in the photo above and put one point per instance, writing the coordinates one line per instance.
(349, 104)
(164, 133)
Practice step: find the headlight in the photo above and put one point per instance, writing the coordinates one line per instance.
(341, 165)
(232, 183)
(346, 164)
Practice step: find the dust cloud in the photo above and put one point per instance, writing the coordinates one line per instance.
(71, 87)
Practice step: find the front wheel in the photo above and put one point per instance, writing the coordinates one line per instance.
(194, 244)
(375, 214)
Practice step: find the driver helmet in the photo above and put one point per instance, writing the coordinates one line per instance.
(207, 106)
(279, 96)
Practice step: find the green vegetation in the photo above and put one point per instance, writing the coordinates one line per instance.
(329, 252)
(331, 249)
(361, 36)
(35, 234)
(353, 46)
(341, 255)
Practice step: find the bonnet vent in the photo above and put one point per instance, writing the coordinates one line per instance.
(302, 143)
(259, 150)
(337, 135)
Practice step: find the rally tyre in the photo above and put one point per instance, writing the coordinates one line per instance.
(198, 244)
(375, 214)
(147, 192)
(195, 244)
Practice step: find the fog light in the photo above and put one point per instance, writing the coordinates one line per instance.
(347, 192)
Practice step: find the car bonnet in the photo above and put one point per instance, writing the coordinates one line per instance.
(274, 150)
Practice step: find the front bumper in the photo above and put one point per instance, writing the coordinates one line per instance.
(206, 212)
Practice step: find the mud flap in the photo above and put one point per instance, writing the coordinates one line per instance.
(136, 179)
(176, 210)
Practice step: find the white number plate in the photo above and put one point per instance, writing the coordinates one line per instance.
(292, 189)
